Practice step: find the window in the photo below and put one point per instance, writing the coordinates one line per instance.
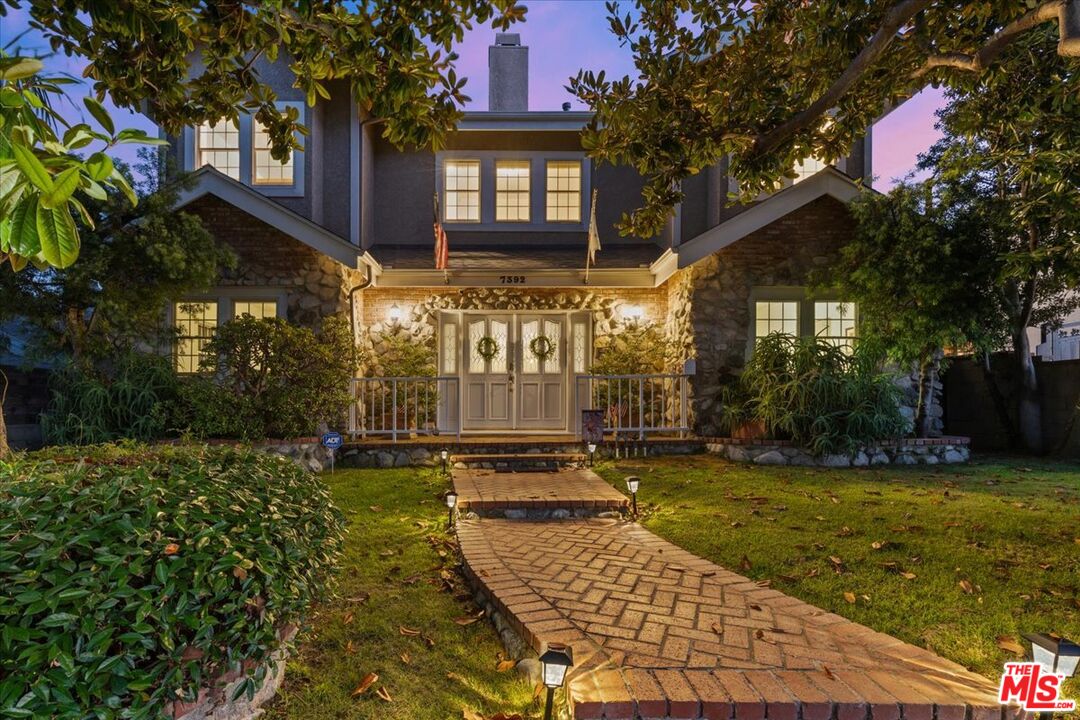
(776, 317)
(564, 191)
(219, 146)
(462, 191)
(267, 170)
(512, 191)
(808, 167)
(196, 322)
(834, 322)
(258, 309)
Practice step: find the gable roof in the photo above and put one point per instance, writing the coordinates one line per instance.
(208, 181)
(829, 182)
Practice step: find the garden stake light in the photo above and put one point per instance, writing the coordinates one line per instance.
(444, 454)
(451, 503)
(1056, 654)
(554, 663)
(632, 484)
(591, 447)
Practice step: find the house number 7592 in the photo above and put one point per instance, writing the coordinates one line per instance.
(512, 279)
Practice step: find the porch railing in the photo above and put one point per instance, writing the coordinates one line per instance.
(635, 404)
(403, 406)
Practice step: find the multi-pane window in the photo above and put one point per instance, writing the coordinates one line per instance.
(512, 191)
(807, 168)
(196, 322)
(462, 190)
(776, 317)
(218, 145)
(834, 322)
(258, 309)
(564, 191)
(267, 170)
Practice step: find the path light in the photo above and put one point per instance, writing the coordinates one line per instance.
(1055, 653)
(451, 503)
(591, 447)
(554, 663)
(632, 484)
(444, 454)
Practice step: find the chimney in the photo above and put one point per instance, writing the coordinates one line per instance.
(508, 74)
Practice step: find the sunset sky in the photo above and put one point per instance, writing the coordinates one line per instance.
(564, 36)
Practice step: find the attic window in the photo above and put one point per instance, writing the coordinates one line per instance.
(219, 147)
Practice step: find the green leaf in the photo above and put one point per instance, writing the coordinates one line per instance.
(100, 114)
(63, 186)
(33, 169)
(99, 166)
(58, 236)
(24, 234)
(122, 184)
(17, 68)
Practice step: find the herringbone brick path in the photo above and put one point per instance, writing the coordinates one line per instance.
(570, 489)
(660, 633)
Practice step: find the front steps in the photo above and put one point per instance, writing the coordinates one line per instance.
(532, 461)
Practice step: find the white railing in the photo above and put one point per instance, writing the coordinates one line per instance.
(406, 406)
(635, 404)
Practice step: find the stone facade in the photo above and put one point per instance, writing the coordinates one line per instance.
(912, 451)
(315, 285)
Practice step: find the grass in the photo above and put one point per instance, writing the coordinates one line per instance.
(399, 572)
(949, 558)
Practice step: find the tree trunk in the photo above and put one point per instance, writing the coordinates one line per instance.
(5, 449)
(927, 376)
(920, 404)
(1028, 402)
(1000, 406)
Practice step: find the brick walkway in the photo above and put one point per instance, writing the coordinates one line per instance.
(660, 633)
(487, 490)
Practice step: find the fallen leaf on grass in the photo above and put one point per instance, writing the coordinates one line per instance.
(850, 597)
(348, 618)
(505, 666)
(880, 544)
(430, 641)
(349, 647)
(384, 695)
(369, 680)
(467, 620)
(744, 564)
(408, 631)
(1009, 644)
(362, 597)
(967, 587)
(375, 508)
(908, 575)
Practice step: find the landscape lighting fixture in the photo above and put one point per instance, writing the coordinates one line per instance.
(1056, 654)
(632, 484)
(554, 664)
(394, 313)
(451, 503)
(591, 447)
(444, 455)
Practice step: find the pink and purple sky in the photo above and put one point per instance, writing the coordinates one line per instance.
(564, 36)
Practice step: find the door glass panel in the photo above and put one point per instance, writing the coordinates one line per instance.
(530, 364)
(476, 333)
(553, 331)
(500, 334)
(579, 348)
(449, 349)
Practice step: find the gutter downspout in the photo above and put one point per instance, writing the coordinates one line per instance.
(352, 307)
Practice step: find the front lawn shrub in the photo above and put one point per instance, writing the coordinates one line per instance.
(131, 577)
(816, 394)
(268, 378)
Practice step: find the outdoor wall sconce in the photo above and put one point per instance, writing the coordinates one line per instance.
(394, 313)
(632, 313)
(444, 455)
(555, 662)
(591, 447)
(1056, 654)
(451, 503)
(632, 484)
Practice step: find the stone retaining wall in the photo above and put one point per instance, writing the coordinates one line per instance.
(913, 451)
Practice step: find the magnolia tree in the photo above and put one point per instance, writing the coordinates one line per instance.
(772, 82)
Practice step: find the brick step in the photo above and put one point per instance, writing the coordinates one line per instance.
(516, 462)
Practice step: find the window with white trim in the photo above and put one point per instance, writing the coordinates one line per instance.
(512, 196)
(834, 322)
(775, 317)
(265, 169)
(462, 196)
(808, 168)
(196, 322)
(563, 191)
(258, 309)
(218, 145)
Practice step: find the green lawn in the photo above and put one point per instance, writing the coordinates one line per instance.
(399, 573)
(949, 558)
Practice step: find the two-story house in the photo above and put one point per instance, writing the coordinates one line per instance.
(347, 226)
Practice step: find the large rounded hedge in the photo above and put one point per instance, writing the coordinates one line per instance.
(130, 577)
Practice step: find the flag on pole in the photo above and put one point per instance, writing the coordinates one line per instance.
(594, 239)
(442, 244)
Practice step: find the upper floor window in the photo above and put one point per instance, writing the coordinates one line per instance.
(563, 191)
(196, 322)
(462, 190)
(512, 196)
(267, 170)
(218, 145)
(807, 168)
(776, 317)
(834, 322)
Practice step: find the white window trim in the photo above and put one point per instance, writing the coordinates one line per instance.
(799, 295)
(247, 154)
(537, 190)
(225, 297)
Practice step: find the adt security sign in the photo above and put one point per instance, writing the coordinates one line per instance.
(332, 441)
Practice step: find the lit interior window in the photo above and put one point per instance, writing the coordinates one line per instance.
(807, 168)
(564, 191)
(258, 309)
(512, 191)
(196, 322)
(776, 317)
(834, 322)
(462, 190)
(219, 146)
(267, 170)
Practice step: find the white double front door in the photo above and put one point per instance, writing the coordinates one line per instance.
(514, 368)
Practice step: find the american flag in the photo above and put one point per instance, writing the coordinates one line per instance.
(442, 244)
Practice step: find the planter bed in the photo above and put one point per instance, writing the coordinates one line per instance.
(909, 451)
